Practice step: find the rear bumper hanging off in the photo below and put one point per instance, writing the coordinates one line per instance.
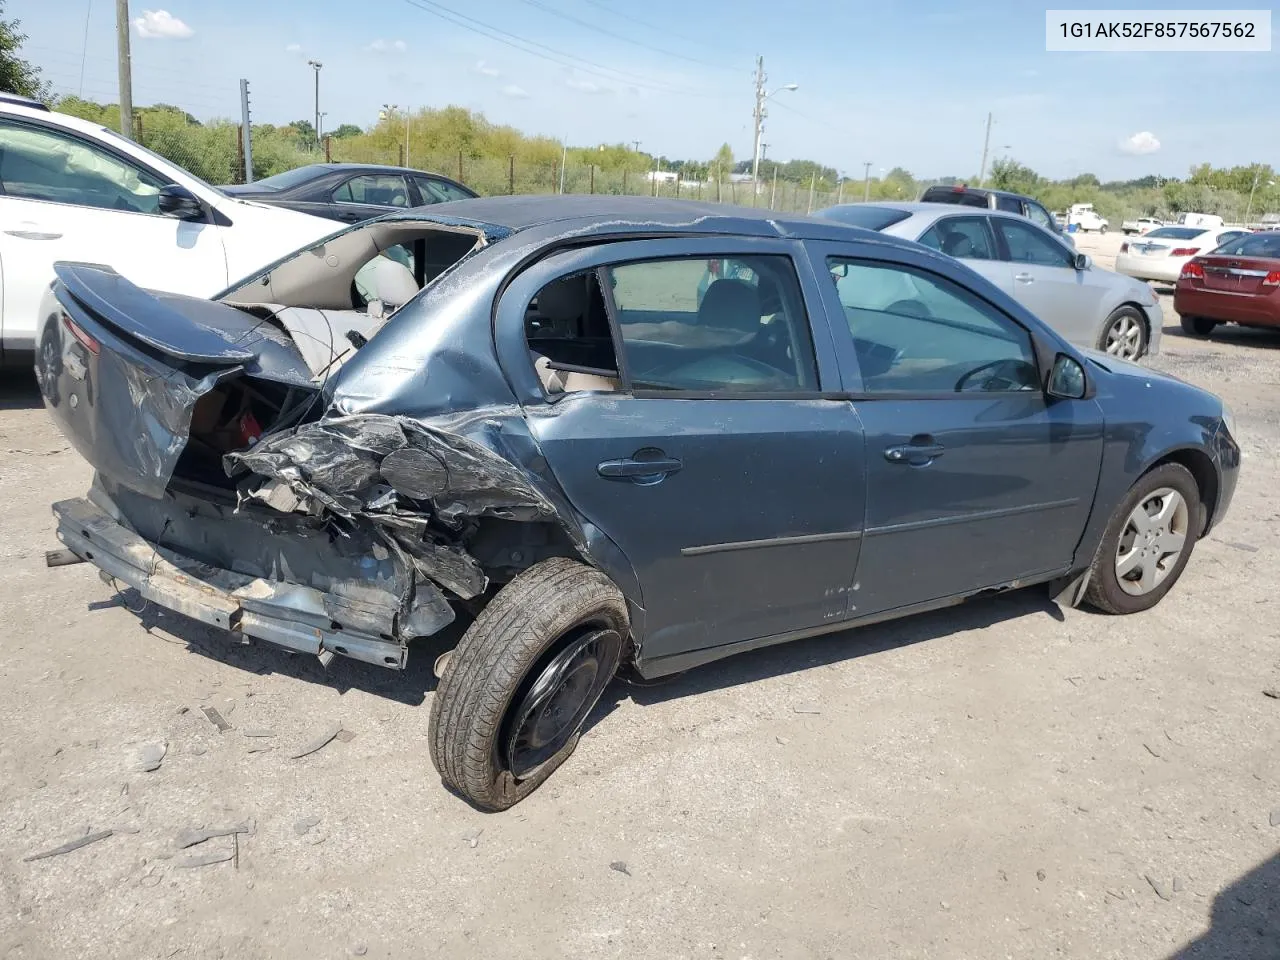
(287, 614)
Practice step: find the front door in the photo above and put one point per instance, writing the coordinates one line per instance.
(1046, 281)
(711, 457)
(974, 478)
(67, 198)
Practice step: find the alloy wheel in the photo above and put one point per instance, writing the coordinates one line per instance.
(1152, 541)
(1124, 337)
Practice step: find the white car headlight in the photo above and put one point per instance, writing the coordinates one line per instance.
(1229, 418)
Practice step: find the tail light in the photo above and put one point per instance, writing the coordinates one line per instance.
(1124, 248)
(76, 331)
(1272, 279)
(715, 267)
(1192, 271)
(1184, 251)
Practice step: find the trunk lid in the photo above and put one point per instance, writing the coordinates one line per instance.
(1242, 275)
(125, 372)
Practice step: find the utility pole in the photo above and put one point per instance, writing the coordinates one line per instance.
(245, 127)
(636, 144)
(840, 190)
(125, 62)
(986, 143)
(316, 65)
(773, 194)
(759, 127)
(866, 180)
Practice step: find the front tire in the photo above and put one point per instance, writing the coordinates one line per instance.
(1198, 326)
(1124, 334)
(1103, 228)
(523, 679)
(1147, 543)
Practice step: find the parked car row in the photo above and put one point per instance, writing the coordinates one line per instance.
(75, 190)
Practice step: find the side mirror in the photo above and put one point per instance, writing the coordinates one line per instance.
(1083, 261)
(180, 203)
(1067, 380)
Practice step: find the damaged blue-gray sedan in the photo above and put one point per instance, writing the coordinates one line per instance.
(556, 418)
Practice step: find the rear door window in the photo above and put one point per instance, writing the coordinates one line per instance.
(439, 191)
(1038, 214)
(380, 189)
(1009, 205)
(966, 238)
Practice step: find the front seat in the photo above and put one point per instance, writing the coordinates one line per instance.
(731, 305)
(956, 244)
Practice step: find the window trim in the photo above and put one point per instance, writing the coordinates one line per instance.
(103, 147)
(1007, 255)
(862, 395)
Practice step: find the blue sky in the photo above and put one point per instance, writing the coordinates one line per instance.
(897, 84)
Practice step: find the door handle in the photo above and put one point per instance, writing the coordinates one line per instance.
(349, 216)
(1024, 278)
(914, 454)
(638, 470)
(33, 235)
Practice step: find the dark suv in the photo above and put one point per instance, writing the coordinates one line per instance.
(993, 200)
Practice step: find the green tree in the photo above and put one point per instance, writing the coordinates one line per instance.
(722, 162)
(1009, 174)
(346, 130)
(17, 75)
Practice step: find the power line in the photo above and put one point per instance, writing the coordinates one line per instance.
(553, 55)
(625, 39)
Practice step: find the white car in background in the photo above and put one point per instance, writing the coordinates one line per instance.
(1085, 218)
(74, 190)
(1161, 254)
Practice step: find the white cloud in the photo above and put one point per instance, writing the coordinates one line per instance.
(517, 93)
(585, 86)
(161, 25)
(293, 48)
(485, 70)
(1140, 144)
(387, 46)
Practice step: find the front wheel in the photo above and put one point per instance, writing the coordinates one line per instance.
(1148, 542)
(520, 684)
(1103, 228)
(1124, 334)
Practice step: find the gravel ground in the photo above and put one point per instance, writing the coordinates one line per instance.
(997, 780)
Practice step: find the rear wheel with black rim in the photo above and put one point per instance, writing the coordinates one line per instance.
(1198, 326)
(523, 680)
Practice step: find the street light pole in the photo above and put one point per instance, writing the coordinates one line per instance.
(986, 144)
(759, 114)
(316, 65)
(866, 180)
(124, 68)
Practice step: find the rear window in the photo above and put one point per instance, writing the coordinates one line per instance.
(865, 215)
(1254, 245)
(1175, 233)
(1009, 205)
(290, 178)
(962, 197)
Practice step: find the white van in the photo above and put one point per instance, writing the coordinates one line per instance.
(1210, 220)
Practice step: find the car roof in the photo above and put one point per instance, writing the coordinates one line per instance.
(374, 167)
(16, 99)
(565, 214)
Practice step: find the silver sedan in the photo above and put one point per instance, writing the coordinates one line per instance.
(1089, 306)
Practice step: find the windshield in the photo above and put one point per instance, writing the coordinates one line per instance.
(1176, 233)
(1254, 245)
(865, 215)
(290, 178)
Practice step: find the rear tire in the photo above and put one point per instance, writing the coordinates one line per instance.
(523, 679)
(1133, 546)
(1198, 326)
(1103, 228)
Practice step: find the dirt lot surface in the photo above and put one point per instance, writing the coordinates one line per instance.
(998, 780)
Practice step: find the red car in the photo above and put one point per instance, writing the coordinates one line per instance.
(1239, 282)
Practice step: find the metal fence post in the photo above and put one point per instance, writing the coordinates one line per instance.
(328, 148)
(592, 188)
(460, 180)
(511, 174)
(246, 132)
(813, 182)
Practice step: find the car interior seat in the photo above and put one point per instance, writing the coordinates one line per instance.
(565, 306)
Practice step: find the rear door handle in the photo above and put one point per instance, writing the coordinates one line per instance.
(350, 216)
(638, 470)
(914, 454)
(1024, 278)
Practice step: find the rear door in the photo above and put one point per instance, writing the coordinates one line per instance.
(1046, 281)
(66, 197)
(369, 195)
(975, 479)
(720, 458)
(969, 238)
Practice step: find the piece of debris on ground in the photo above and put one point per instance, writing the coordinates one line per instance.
(216, 718)
(70, 845)
(151, 755)
(318, 741)
(193, 835)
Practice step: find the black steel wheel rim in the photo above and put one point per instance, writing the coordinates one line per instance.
(559, 700)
